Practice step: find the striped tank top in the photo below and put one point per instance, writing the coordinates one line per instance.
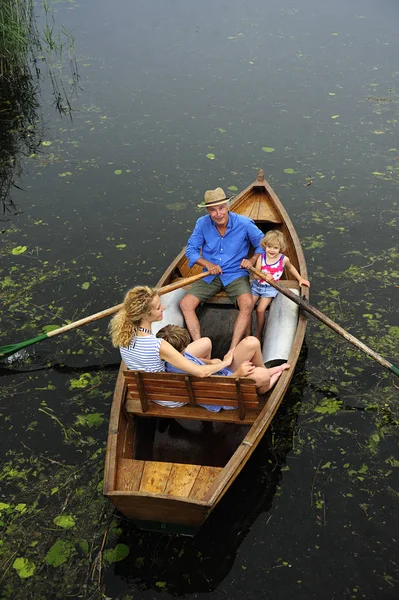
(142, 354)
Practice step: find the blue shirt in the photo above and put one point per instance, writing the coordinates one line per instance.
(227, 251)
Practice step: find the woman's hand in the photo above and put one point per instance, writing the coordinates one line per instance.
(246, 369)
(228, 358)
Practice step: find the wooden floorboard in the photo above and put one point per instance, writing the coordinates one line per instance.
(181, 480)
(155, 477)
(203, 482)
(129, 474)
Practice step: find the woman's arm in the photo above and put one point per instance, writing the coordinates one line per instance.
(287, 264)
(172, 356)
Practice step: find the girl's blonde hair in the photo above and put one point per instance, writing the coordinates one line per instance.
(136, 305)
(177, 336)
(274, 237)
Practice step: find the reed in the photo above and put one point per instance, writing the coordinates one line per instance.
(17, 36)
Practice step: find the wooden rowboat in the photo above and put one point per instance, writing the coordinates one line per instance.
(168, 468)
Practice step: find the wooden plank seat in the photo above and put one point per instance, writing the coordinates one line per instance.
(143, 388)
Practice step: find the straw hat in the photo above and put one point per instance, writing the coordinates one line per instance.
(214, 198)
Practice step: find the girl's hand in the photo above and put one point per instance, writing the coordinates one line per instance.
(215, 361)
(304, 282)
(269, 277)
(246, 369)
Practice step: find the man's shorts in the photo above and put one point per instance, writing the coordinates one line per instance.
(203, 291)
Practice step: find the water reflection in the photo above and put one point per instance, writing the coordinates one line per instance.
(18, 132)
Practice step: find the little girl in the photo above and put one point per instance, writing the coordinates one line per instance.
(272, 263)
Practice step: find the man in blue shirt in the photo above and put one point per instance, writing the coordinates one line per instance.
(220, 243)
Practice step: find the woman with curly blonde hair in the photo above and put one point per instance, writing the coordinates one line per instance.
(140, 350)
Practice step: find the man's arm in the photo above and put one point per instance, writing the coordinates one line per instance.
(193, 251)
(194, 245)
(255, 235)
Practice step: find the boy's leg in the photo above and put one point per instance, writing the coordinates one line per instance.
(260, 316)
(201, 348)
(248, 349)
(265, 384)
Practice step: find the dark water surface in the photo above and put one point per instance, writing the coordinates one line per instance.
(177, 98)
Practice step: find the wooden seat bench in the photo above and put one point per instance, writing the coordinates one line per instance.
(143, 388)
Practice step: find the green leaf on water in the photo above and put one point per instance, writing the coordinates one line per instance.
(289, 171)
(48, 328)
(64, 174)
(90, 420)
(335, 116)
(59, 553)
(120, 246)
(19, 250)
(210, 156)
(328, 406)
(161, 584)
(176, 206)
(331, 94)
(46, 143)
(267, 149)
(85, 285)
(24, 567)
(233, 188)
(118, 172)
(116, 554)
(221, 130)
(64, 521)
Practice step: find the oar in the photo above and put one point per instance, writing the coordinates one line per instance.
(327, 321)
(12, 348)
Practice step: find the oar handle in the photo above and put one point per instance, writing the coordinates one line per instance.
(110, 311)
(304, 304)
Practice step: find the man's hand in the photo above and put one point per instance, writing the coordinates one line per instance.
(246, 263)
(212, 268)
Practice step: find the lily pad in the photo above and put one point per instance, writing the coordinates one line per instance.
(267, 149)
(210, 156)
(46, 143)
(233, 188)
(118, 172)
(19, 250)
(24, 567)
(85, 285)
(289, 171)
(335, 116)
(116, 554)
(59, 553)
(64, 521)
(176, 206)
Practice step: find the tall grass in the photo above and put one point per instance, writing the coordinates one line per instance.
(21, 45)
(18, 36)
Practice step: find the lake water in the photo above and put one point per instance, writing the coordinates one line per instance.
(175, 98)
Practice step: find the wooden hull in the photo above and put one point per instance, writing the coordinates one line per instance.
(165, 472)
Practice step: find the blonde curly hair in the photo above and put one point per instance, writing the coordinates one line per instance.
(137, 304)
